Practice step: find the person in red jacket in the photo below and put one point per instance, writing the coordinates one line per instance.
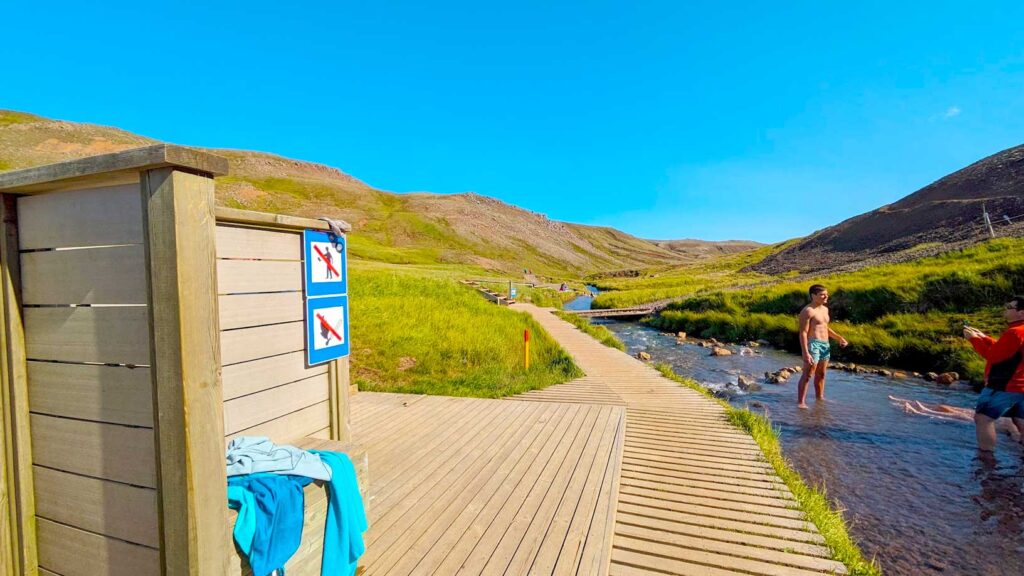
(1004, 375)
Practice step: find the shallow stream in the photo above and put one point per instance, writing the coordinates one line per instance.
(917, 497)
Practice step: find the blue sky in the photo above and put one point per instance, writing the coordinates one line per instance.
(668, 119)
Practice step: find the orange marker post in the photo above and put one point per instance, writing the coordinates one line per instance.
(526, 340)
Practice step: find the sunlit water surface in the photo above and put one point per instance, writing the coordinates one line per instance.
(917, 497)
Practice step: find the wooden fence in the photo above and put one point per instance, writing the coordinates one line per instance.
(140, 328)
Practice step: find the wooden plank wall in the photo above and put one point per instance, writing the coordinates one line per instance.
(87, 344)
(268, 390)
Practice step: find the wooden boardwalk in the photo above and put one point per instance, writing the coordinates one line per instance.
(472, 486)
(696, 495)
(631, 312)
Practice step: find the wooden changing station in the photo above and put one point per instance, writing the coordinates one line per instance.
(141, 327)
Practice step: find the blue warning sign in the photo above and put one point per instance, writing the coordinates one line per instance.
(326, 263)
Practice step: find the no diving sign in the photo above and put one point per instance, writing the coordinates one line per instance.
(326, 328)
(326, 285)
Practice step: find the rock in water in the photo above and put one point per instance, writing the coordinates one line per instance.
(643, 356)
(930, 376)
(947, 378)
(778, 377)
(718, 351)
(681, 335)
(745, 382)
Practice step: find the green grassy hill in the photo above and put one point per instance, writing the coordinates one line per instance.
(417, 228)
(908, 315)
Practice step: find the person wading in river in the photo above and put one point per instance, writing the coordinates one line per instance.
(814, 335)
(1004, 375)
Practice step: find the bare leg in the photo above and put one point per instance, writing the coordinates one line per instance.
(819, 379)
(986, 430)
(1019, 423)
(801, 388)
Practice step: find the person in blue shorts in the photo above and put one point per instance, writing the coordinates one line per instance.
(1003, 395)
(814, 335)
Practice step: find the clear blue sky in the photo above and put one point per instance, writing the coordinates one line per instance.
(665, 119)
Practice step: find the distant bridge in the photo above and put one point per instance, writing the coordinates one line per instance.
(631, 312)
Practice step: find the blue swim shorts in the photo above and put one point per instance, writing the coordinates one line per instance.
(819, 350)
(998, 403)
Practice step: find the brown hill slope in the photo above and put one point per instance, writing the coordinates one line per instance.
(944, 215)
(698, 249)
(400, 228)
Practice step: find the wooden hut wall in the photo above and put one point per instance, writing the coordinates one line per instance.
(268, 390)
(84, 295)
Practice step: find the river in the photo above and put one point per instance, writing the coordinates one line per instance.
(916, 496)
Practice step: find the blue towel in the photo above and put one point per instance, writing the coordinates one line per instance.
(346, 518)
(270, 517)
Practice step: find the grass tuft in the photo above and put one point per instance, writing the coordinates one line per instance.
(812, 501)
(10, 117)
(597, 332)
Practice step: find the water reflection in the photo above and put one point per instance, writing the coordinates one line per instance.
(582, 302)
(914, 491)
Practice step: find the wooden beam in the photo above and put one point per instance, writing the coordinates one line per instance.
(178, 215)
(17, 505)
(115, 168)
(340, 386)
(268, 221)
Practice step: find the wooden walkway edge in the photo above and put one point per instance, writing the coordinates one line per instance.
(696, 495)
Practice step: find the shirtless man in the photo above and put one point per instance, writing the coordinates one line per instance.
(814, 335)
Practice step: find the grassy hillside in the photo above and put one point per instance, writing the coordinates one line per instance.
(907, 315)
(419, 228)
(415, 329)
(678, 281)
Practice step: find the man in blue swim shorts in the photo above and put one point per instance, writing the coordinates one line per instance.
(814, 335)
(1003, 395)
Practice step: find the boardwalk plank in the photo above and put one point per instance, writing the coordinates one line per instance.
(478, 511)
(695, 494)
(451, 522)
(449, 483)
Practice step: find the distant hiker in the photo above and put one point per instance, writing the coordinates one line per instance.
(1004, 375)
(814, 335)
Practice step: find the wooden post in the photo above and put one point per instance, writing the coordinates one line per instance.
(18, 553)
(526, 347)
(179, 223)
(342, 427)
(988, 221)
